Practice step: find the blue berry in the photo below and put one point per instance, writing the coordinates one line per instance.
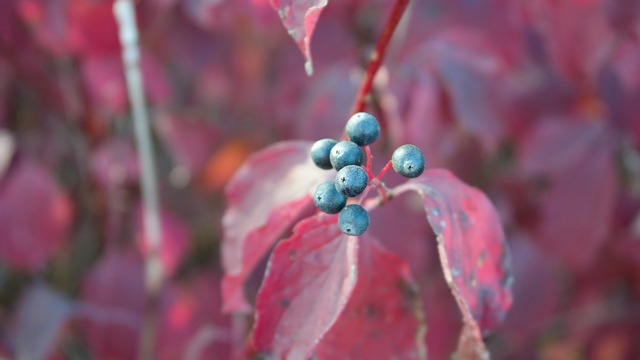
(408, 161)
(351, 180)
(345, 153)
(328, 199)
(363, 129)
(320, 152)
(353, 220)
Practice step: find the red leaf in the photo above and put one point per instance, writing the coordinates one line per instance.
(555, 143)
(221, 14)
(322, 104)
(385, 297)
(115, 163)
(470, 344)
(537, 294)
(578, 214)
(190, 141)
(623, 15)
(455, 80)
(223, 164)
(472, 249)
(470, 68)
(174, 243)
(626, 66)
(35, 217)
(299, 17)
(112, 305)
(309, 280)
(104, 79)
(46, 19)
(408, 211)
(264, 197)
(562, 152)
(576, 35)
(619, 86)
(191, 325)
(441, 312)
(93, 28)
(425, 116)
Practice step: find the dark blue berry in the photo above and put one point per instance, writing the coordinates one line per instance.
(328, 199)
(353, 220)
(351, 180)
(408, 161)
(345, 153)
(363, 129)
(320, 152)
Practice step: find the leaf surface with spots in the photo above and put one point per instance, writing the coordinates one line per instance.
(473, 253)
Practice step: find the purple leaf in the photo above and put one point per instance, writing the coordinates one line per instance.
(573, 213)
(537, 293)
(41, 315)
(575, 32)
(469, 67)
(554, 143)
(309, 280)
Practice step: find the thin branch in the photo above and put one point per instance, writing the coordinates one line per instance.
(384, 170)
(369, 166)
(378, 55)
(124, 12)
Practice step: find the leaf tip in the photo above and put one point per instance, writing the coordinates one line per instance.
(308, 67)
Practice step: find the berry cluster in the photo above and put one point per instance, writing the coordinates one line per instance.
(346, 157)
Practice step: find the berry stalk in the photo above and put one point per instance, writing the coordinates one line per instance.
(369, 169)
(384, 170)
(378, 55)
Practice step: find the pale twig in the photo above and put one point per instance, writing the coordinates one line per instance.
(124, 12)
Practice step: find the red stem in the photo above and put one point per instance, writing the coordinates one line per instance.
(378, 55)
(369, 161)
(384, 170)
